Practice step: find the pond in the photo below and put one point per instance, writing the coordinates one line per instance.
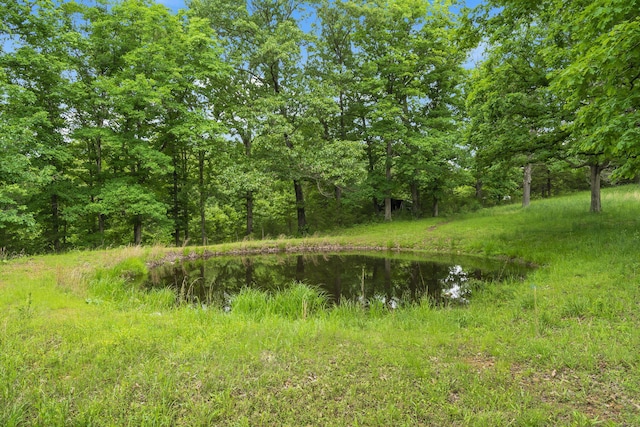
(394, 280)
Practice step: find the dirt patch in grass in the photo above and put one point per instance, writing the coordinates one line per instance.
(480, 362)
(591, 394)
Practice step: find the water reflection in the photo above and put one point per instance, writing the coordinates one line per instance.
(391, 281)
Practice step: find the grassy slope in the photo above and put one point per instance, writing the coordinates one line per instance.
(560, 348)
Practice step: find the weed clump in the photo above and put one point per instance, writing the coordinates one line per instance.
(121, 285)
(296, 302)
(129, 269)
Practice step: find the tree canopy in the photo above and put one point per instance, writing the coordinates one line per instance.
(124, 122)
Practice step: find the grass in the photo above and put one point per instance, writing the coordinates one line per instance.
(81, 345)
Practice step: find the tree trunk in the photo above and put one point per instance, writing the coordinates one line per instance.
(246, 140)
(387, 199)
(302, 218)
(101, 221)
(338, 194)
(185, 225)
(415, 199)
(371, 169)
(98, 149)
(526, 186)
(184, 204)
(435, 206)
(176, 208)
(203, 198)
(249, 200)
(343, 128)
(479, 190)
(596, 205)
(55, 223)
(548, 183)
(137, 230)
(387, 208)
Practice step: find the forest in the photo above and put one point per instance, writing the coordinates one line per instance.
(123, 122)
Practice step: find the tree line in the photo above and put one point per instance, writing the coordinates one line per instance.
(123, 122)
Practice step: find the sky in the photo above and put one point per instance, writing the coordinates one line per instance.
(172, 4)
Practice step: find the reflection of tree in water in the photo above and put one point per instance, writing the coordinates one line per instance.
(391, 281)
(249, 271)
(196, 282)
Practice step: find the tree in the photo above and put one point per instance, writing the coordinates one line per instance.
(262, 40)
(145, 83)
(590, 74)
(277, 108)
(409, 71)
(120, 92)
(190, 129)
(601, 81)
(339, 167)
(34, 68)
(515, 119)
(20, 179)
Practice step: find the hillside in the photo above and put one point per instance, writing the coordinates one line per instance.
(81, 345)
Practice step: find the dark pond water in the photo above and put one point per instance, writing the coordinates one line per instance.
(393, 280)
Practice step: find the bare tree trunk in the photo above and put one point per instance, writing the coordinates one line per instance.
(526, 186)
(387, 208)
(479, 190)
(249, 206)
(185, 219)
(101, 217)
(137, 230)
(387, 199)
(596, 205)
(435, 206)
(371, 166)
(415, 199)
(338, 193)
(176, 207)
(247, 141)
(203, 198)
(302, 218)
(183, 203)
(548, 183)
(55, 223)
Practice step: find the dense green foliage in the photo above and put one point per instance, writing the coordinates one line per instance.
(122, 122)
(81, 344)
(558, 84)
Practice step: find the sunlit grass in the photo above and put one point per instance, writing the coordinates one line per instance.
(82, 344)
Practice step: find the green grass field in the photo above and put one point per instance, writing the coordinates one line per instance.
(80, 345)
